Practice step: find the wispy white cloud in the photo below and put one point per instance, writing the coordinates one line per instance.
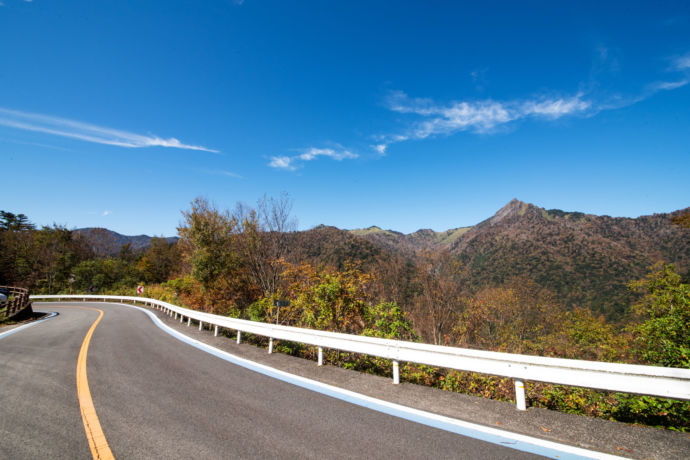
(292, 163)
(668, 85)
(681, 63)
(485, 116)
(381, 148)
(106, 213)
(87, 132)
(478, 116)
(220, 172)
(282, 162)
(428, 118)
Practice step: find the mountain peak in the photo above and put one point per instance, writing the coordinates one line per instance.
(515, 203)
(514, 208)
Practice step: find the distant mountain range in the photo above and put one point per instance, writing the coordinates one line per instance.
(107, 242)
(586, 260)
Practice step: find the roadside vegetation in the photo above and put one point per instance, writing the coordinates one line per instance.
(239, 262)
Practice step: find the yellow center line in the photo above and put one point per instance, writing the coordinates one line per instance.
(94, 432)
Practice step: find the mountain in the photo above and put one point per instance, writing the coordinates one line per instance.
(586, 260)
(106, 242)
(326, 245)
(424, 239)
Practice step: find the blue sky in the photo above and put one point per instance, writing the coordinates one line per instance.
(404, 115)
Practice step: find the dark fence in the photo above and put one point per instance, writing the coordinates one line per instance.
(16, 304)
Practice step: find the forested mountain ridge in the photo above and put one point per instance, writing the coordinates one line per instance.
(587, 260)
(107, 242)
(423, 239)
(584, 259)
(326, 245)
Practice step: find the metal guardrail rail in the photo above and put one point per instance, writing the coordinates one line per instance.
(626, 378)
(17, 303)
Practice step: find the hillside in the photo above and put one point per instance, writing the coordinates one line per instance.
(106, 242)
(325, 245)
(586, 260)
(423, 239)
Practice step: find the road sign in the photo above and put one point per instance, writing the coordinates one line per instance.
(140, 289)
(91, 289)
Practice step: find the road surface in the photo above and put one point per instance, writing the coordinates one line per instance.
(157, 397)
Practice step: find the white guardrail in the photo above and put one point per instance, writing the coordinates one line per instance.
(626, 378)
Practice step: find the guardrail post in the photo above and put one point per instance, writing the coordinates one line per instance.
(201, 324)
(215, 332)
(520, 395)
(189, 321)
(175, 315)
(181, 318)
(270, 345)
(320, 357)
(396, 373)
(239, 336)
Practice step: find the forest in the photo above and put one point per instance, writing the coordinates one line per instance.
(239, 262)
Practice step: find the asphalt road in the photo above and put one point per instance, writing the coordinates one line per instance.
(157, 397)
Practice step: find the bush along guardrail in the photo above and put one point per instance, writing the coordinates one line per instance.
(17, 302)
(664, 382)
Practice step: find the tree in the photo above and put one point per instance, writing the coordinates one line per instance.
(511, 318)
(37, 259)
(16, 241)
(14, 222)
(386, 320)
(264, 239)
(105, 274)
(55, 251)
(209, 246)
(663, 337)
(329, 299)
(206, 241)
(161, 260)
(437, 306)
(581, 334)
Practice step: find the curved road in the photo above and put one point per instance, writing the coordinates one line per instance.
(157, 397)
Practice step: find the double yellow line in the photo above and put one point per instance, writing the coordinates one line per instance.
(92, 426)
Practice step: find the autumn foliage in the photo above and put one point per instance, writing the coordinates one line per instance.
(250, 263)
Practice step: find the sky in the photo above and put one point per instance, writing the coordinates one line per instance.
(404, 115)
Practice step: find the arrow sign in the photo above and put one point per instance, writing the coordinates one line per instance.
(140, 289)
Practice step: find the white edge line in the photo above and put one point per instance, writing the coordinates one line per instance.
(33, 323)
(484, 433)
(491, 435)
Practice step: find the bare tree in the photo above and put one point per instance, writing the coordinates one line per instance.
(437, 306)
(264, 239)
